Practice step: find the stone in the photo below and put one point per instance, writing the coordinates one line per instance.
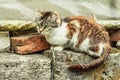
(38, 66)
(118, 44)
(4, 41)
(29, 44)
(108, 71)
(24, 67)
(115, 36)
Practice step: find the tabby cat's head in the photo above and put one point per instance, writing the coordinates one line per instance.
(47, 20)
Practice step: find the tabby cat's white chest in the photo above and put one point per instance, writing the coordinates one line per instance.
(57, 36)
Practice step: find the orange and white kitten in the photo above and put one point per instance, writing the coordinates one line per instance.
(77, 33)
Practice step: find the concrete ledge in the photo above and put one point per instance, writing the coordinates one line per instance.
(110, 70)
(4, 41)
(38, 67)
(27, 67)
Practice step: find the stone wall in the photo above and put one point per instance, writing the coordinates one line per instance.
(37, 66)
(24, 67)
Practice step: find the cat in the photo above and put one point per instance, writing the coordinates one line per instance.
(45, 19)
(78, 33)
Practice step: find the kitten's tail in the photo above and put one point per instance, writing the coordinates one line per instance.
(93, 64)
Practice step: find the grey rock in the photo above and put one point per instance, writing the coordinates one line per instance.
(24, 67)
(4, 41)
(38, 66)
(118, 44)
(108, 71)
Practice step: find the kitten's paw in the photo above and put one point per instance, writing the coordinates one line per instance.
(57, 48)
(94, 54)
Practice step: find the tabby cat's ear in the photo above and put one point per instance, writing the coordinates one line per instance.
(54, 16)
(40, 13)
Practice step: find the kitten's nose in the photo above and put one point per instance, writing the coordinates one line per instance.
(41, 30)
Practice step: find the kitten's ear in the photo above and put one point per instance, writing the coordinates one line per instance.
(40, 12)
(56, 17)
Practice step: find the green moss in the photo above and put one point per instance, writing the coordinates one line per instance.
(110, 24)
(114, 50)
(16, 25)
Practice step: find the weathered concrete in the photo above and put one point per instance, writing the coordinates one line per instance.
(118, 44)
(27, 67)
(108, 71)
(38, 67)
(4, 40)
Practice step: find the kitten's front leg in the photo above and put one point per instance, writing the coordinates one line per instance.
(57, 48)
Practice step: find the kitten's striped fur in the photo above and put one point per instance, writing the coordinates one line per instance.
(98, 40)
(79, 34)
